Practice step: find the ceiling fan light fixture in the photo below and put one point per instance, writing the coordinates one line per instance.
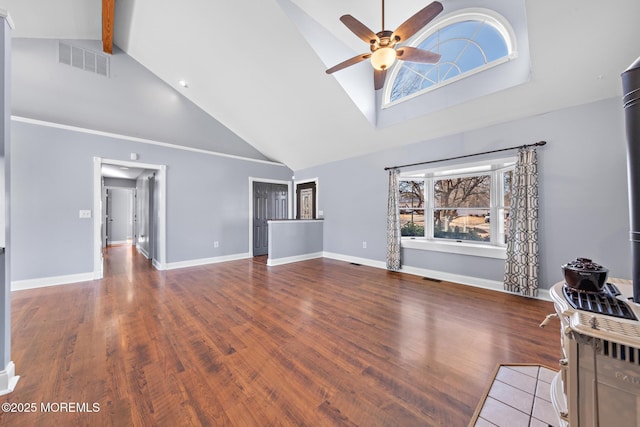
(383, 43)
(383, 58)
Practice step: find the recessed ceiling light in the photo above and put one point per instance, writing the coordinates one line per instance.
(124, 168)
(183, 83)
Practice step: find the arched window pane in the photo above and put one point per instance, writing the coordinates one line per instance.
(464, 45)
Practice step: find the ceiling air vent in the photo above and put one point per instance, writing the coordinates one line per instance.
(83, 59)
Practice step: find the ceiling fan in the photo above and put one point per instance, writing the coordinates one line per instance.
(384, 44)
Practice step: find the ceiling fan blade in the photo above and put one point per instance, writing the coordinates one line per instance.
(412, 54)
(349, 62)
(379, 77)
(359, 29)
(412, 25)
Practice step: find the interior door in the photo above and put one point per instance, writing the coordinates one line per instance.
(119, 212)
(108, 208)
(280, 198)
(306, 200)
(270, 201)
(260, 217)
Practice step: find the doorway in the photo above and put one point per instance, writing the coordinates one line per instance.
(307, 199)
(153, 240)
(119, 218)
(269, 201)
(146, 210)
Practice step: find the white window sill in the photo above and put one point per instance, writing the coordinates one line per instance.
(462, 248)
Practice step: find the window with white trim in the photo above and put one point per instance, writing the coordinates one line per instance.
(469, 42)
(466, 204)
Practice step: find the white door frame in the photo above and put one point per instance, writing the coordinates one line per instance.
(161, 181)
(295, 195)
(270, 181)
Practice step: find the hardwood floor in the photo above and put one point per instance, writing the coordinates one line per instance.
(317, 343)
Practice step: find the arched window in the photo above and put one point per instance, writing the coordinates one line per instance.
(469, 42)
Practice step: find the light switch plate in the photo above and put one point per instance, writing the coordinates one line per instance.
(85, 213)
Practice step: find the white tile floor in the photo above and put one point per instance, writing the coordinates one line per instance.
(519, 396)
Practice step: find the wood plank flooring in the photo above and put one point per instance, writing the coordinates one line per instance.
(315, 343)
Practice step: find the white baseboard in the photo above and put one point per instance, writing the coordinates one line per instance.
(203, 261)
(452, 277)
(120, 242)
(493, 285)
(355, 260)
(142, 251)
(297, 258)
(156, 264)
(8, 379)
(19, 285)
(544, 294)
(477, 282)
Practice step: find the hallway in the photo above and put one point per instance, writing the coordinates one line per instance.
(124, 259)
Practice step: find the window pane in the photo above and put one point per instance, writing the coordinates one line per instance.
(412, 222)
(411, 194)
(462, 224)
(468, 192)
(508, 183)
(506, 225)
(464, 46)
(462, 208)
(493, 44)
(461, 30)
(411, 202)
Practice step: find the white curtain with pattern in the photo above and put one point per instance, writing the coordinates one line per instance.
(521, 269)
(393, 223)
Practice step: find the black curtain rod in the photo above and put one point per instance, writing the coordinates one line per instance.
(537, 144)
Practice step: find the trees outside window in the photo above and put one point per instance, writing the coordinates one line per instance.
(460, 208)
(411, 202)
(459, 205)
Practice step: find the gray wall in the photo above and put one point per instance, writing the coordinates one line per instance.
(131, 102)
(294, 238)
(207, 199)
(207, 195)
(583, 193)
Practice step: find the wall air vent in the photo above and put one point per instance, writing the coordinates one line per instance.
(84, 59)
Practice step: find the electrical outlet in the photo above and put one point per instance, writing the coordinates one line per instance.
(216, 244)
(364, 245)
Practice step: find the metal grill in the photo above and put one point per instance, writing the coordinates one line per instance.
(620, 352)
(604, 302)
(83, 59)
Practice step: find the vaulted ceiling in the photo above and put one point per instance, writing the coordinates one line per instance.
(248, 65)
